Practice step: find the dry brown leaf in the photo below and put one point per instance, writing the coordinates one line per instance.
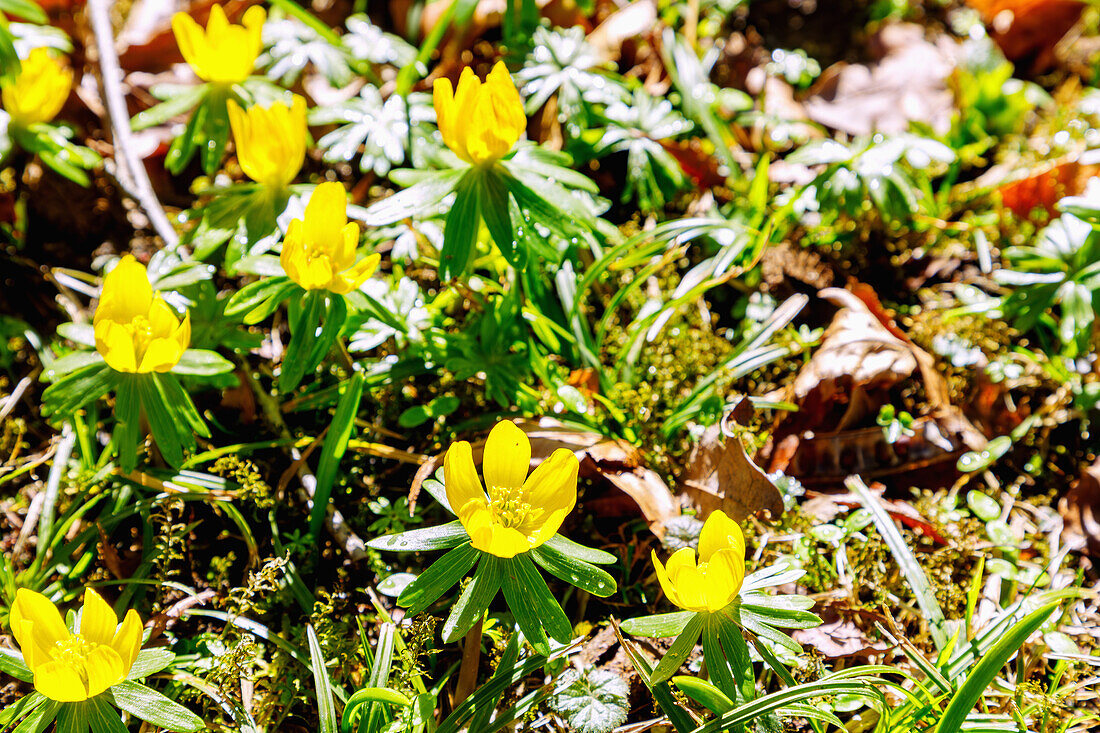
(720, 475)
(631, 21)
(907, 84)
(863, 355)
(1043, 186)
(1029, 29)
(857, 354)
(1080, 510)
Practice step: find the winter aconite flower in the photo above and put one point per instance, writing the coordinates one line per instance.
(480, 122)
(319, 249)
(224, 53)
(271, 141)
(72, 667)
(515, 512)
(38, 91)
(135, 329)
(715, 581)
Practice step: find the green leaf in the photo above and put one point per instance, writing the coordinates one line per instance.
(461, 228)
(259, 299)
(438, 578)
(77, 389)
(103, 717)
(149, 705)
(704, 693)
(176, 105)
(127, 422)
(443, 537)
(475, 598)
(336, 443)
(495, 210)
(984, 672)
(11, 663)
(658, 626)
(413, 201)
(531, 602)
(150, 661)
(308, 343)
(595, 702)
(202, 363)
(326, 710)
(74, 717)
(72, 362)
(680, 650)
(578, 551)
(368, 696)
(43, 712)
(575, 572)
(417, 415)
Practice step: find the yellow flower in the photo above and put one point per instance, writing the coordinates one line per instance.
(271, 141)
(517, 515)
(39, 90)
(319, 249)
(481, 122)
(135, 330)
(72, 667)
(715, 581)
(224, 53)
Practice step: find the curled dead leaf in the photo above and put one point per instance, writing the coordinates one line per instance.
(1080, 510)
(720, 475)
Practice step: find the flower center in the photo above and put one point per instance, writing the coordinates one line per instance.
(315, 251)
(74, 652)
(141, 331)
(509, 507)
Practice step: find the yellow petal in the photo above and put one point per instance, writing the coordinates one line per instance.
(160, 356)
(46, 627)
(464, 490)
(97, 619)
(720, 533)
(664, 580)
(325, 217)
(189, 38)
(692, 587)
(60, 681)
(344, 255)
(217, 23)
(103, 667)
(502, 541)
(724, 573)
(116, 345)
(126, 292)
(127, 639)
(499, 117)
(546, 528)
(444, 102)
(680, 560)
(506, 103)
(162, 319)
(507, 456)
(38, 91)
(552, 486)
(351, 279)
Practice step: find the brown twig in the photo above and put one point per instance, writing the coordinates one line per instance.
(110, 74)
